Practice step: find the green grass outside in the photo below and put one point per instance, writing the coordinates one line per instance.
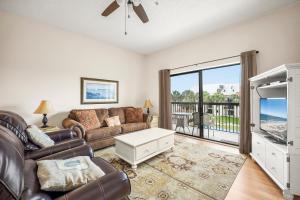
(227, 122)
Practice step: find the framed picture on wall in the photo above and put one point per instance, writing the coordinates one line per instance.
(99, 91)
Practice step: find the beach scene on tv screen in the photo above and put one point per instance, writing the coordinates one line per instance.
(273, 116)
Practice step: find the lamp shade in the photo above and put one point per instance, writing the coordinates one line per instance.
(45, 107)
(148, 104)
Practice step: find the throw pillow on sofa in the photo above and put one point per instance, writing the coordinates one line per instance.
(134, 115)
(113, 121)
(66, 175)
(88, 118)
(38, 137)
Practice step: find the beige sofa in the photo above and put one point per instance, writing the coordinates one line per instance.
(103, 135)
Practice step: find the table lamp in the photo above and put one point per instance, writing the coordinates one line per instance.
(148, 105)
(44, 108)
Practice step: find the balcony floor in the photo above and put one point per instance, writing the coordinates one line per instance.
(221, 136)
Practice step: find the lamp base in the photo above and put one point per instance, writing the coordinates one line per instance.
(45, 121)
(148, 111)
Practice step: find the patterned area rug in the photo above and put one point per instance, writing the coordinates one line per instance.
(190, 171)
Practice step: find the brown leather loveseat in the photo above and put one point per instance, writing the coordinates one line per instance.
(19, 181)
(132, 119)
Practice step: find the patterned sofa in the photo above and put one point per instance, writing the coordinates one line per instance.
(96, 132)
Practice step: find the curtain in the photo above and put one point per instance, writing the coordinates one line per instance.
(248, 69)
(165, 99)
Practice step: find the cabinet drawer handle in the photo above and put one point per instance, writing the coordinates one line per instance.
(273, 168)
(258, 142)
(274, 154)
(166, 142)
(258, 154)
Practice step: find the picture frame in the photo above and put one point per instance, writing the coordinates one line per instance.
(98, 91)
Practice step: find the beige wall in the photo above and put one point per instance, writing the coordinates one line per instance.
(276, 36)
(41, 62)
(38, 61)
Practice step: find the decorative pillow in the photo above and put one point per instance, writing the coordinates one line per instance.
(117, 112)
(134, 115)
(38, 137)
(30, 146)
(102, 114)
(66, 175)
(88, 118)
(113, 121)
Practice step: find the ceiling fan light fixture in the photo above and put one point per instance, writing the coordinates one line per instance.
(136, 2)
(120, 2)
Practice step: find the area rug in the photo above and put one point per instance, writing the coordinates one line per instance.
(189, 171)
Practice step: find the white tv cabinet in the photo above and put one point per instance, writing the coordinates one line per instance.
(281, 162)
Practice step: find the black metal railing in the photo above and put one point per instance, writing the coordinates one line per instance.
(222, 116)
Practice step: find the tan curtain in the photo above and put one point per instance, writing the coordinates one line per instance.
(249, 69)
(165, 99)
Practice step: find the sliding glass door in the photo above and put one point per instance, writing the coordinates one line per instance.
(185, 102)
(205, 103)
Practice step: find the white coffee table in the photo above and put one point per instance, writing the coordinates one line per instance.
(139, 146)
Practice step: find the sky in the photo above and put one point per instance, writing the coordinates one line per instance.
(274, 107)
(211, 79)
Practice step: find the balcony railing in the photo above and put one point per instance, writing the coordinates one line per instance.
(224, 116)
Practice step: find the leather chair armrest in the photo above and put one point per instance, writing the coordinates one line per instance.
(69, 144)
(83, 150)
(61, 135)
(75, 126)
(112, 186)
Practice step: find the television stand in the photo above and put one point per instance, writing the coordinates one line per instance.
(280, 161)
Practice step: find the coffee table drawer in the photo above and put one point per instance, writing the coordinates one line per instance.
(146, 149)
(166, 142)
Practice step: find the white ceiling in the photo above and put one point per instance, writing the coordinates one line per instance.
(171, 22)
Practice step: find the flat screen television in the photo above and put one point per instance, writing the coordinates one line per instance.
(273, 117)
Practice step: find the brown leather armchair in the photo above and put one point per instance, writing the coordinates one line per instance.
(18, 177)
(64, 139)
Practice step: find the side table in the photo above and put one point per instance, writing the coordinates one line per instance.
(50, 129)
(154, 121)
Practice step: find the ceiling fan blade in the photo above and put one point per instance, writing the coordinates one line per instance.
(140, 12)
(111, 8)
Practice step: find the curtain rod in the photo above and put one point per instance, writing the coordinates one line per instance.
(207, 62)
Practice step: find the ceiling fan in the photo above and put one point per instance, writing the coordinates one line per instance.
(136, 5)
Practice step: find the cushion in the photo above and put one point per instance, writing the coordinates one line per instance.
(30, 146)
(88, 118)
(102, 114)
(101, 133)
(113, 121)
(38, 137)
(14, 123)
(66, 175)
(105, 166)
(126, 128)
(134, 115)
(117, 112)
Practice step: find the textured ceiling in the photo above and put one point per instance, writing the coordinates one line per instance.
(171, 22)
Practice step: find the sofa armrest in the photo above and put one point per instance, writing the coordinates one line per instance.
(69, 144)
(75, 126)
(61, 135)
(112, 186)
(83, 150)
